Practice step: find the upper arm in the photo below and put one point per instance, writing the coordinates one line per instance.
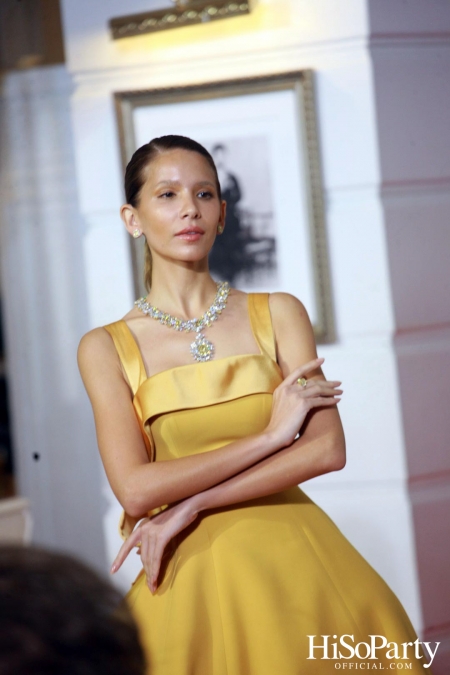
(294, 336)
(296, 345)
(119, 437)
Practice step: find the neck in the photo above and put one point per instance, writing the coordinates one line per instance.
(181, 289)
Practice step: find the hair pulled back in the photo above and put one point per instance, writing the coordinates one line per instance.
(135, 176)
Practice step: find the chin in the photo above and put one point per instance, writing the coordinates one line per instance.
(193, 250)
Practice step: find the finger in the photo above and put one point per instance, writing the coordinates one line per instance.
(153, 558)
(316, 381)
(323, 382)
(319, 401)
(148, 565)
(124, 551)
(121, 556)
(317, 388)
(302, 370)
(158, 553)
(145, 557)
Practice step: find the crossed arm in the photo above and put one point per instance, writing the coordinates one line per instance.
(246, 469)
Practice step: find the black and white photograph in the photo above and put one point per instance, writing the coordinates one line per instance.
(247, 254)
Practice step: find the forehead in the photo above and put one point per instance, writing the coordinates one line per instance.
(179, 165)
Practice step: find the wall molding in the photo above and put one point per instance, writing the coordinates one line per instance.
(412, 40)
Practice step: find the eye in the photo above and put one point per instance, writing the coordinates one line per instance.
(167, 194)
(205, 194)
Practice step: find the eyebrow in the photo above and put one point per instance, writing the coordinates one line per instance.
(177, 182)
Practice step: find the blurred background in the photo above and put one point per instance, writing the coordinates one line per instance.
(382, 84)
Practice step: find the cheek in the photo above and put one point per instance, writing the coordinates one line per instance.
(159, 221)
(212, 211)
(157, 235)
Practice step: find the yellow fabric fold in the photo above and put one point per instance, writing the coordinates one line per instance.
(213, 382)
(261, 322)
(129, 353)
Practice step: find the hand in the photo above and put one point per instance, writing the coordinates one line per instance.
(292, 402)
(153, 535)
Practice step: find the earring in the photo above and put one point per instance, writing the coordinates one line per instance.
(220, 229)
(137, 233)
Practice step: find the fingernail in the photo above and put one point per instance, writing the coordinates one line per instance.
(113, 569)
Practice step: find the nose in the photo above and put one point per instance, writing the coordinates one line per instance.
(189, 207)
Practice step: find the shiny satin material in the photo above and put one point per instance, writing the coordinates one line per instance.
(243, 586)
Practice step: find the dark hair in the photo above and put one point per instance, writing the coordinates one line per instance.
(58, 617)
(135, 175)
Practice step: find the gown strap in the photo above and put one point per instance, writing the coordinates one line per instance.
(261, 321)
(129, 353)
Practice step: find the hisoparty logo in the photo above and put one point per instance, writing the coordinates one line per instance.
(321, 647)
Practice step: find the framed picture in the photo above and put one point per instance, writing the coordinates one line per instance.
(262, 135)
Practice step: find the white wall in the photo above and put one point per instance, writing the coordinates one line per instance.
(44, 300)
(411, 61)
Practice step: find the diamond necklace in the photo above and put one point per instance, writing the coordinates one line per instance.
(201, 349)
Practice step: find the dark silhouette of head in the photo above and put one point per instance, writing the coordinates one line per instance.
(58, 617)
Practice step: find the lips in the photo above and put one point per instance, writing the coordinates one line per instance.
(191, 234)
(190, 230)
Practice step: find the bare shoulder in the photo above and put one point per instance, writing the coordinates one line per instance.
(294, 335)
(94, 344)
(97, 356)
(285, 308)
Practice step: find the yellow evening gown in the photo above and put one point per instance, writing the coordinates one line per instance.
(243, 587)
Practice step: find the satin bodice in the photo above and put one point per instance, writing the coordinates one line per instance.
(199, 407)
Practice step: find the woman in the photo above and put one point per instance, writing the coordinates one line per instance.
(200, 442)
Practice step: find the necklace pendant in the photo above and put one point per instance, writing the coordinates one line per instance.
(202, 349)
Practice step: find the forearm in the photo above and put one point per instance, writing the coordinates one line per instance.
(301, 461)
(152, 485)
